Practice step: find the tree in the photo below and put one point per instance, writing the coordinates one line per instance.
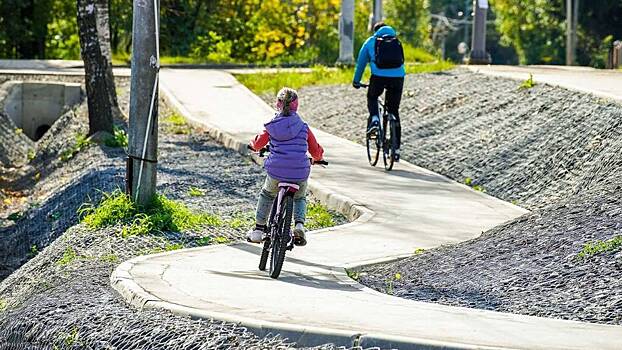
(100, 89)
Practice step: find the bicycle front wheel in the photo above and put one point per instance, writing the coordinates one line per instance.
(390, 143)
(373, 147)
(281, 236)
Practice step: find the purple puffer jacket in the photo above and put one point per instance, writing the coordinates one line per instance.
(288, 159)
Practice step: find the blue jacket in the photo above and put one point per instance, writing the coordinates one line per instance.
(366, 55)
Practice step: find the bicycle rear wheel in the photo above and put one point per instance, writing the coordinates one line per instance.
(390, 143)
(280, 236)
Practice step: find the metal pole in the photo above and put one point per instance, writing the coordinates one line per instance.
(575, 28)
(143, 126)
(569, 36)
(478, 42)
(346, 32)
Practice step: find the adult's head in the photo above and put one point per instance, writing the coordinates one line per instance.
(379, 25)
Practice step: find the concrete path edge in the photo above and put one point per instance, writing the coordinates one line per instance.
(136, 296)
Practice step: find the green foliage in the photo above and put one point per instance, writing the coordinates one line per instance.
(419, 251)
(355, 275)
(222, 240)
(242, 221)
(597, 247)
(536, 29)
(3, 305)
(411, 18)
(81, 143)
(469, 182)
(161, 215)
(15, 216)
(118, 139)
(109, 258)
(529, 83)
(31, 154)
(318, 216)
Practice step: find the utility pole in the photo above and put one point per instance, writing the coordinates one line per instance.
(346, 32)
(377, 13)
(478, 43)
(143, 125)
(572, 23)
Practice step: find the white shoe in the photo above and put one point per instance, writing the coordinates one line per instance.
(255, 236)
(300, 238)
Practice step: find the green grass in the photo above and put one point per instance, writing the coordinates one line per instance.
(81, 143)
(177, 124)
(318, 216)
(195, 192)
(469, 182)
(261, 83)
(162, 215)
(118, 139)
(69, 255)
(597, 247)
(3, 304)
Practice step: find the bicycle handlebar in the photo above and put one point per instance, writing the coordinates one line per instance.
(261, 153)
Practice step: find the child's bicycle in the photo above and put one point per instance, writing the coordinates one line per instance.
(279, 237)
(376, 139)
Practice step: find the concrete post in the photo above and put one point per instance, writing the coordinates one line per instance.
(569, 35)
(346, 32)
(377, 13)
(143, 125)
(478, 43)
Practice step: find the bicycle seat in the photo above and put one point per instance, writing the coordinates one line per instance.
(292, 187)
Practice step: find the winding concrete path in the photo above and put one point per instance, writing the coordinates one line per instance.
(314, 301)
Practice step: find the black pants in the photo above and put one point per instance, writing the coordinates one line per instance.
(394, 87)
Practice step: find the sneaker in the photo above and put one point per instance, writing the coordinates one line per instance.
(373, 124)
(396, 155)
(255, 236)
(300, 238)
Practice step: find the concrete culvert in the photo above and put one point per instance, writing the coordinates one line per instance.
(35, 106)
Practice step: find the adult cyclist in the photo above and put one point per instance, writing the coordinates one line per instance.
(385, 54)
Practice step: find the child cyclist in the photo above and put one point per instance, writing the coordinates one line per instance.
(290, 139)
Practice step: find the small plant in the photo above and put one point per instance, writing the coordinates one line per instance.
(222, 240)
(195, 192)
(419, 251)
(355, 275)
(179, 125)
(34, 250)
(469, 182)
(68, 256)
(31, 155)
(203, 241)
(529, 83)
(174, 246)
(389, 282)
(118, 139)
(71, 338)
(82, 142)
(3, 304)
(597, 247)
(109, 258)
(37, 176)
(19, 131)
(15, 216)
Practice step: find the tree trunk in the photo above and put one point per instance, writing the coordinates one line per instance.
(99, 85)
(103, 30)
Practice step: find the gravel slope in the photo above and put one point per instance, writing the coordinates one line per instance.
(62, 299)
(553, 151)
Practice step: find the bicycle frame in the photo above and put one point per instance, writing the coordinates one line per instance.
(284, 189)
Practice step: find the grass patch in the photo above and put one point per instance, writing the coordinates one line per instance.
(318, 216)
(3, 304)
(118, 139)
(177, 124)
(593, 248)
(81, 143)
(68, 256)
(262, 83)
(195, 192)
(355, 275)
(469, 182)
(162, 215)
